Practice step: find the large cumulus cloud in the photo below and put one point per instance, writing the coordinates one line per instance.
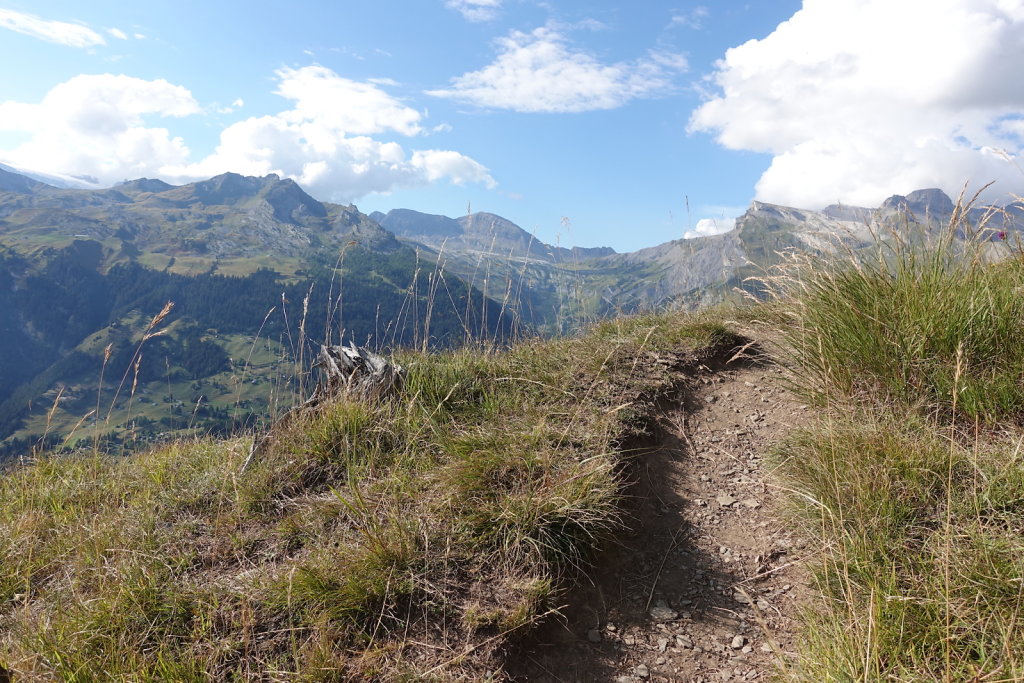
(859, 99)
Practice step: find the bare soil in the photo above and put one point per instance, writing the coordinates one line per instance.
(709, 578)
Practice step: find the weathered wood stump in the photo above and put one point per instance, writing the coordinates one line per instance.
(349, 371)
(355, 373)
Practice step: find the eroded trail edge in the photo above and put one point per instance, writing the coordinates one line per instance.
(709, 577)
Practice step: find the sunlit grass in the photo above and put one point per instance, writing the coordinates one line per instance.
(910, 480)
(447, 515)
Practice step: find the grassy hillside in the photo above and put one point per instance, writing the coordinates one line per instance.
(401, 541)
(912, 482)
(415, 539)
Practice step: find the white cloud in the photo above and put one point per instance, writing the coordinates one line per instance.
(343, 106)
(238, 103)
(95, 125)
(476, 10)
(118, 33)
(710, 226)
(60, 32)
(323, 141)
(860, 99)
(438, 163)
(693, 19)
(540, 72)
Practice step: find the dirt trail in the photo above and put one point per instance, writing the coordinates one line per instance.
(710, 578)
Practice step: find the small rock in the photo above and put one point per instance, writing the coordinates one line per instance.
(747, 649)
(629, 640)
(611, 627)
(659, 661)
(725, 500)
(594, 636)
(642, 671)
(684, 641)
(741, 598)
(662, 644)
(752, 503)
(662, 612)
(765, 647)
(738, 642)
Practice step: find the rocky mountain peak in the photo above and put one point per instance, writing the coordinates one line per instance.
(227, 188)
(290, 202)
(414, 224)
(931, 203)
(491, 232)
(143, 185)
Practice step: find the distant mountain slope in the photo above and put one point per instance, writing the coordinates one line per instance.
(241, 258)
(230, 222)
(244, 258)
(557, 288)
(484, 233)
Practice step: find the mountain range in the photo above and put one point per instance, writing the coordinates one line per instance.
(259, 271)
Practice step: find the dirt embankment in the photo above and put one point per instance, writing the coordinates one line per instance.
(709, 579)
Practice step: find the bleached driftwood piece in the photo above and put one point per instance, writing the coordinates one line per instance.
(356, 373)
(345, 371)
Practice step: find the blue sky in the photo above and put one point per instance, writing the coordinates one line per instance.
(597, 123)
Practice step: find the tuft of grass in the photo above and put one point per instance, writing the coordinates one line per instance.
(922, 562)
(406, 540)
(898, 322)
(909, 484)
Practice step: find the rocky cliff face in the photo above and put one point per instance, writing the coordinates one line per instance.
(704, 269)
(483, 234)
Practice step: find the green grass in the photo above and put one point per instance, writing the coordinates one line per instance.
(910, 482)
(907, 321)
(400, 541)
(922, 543)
